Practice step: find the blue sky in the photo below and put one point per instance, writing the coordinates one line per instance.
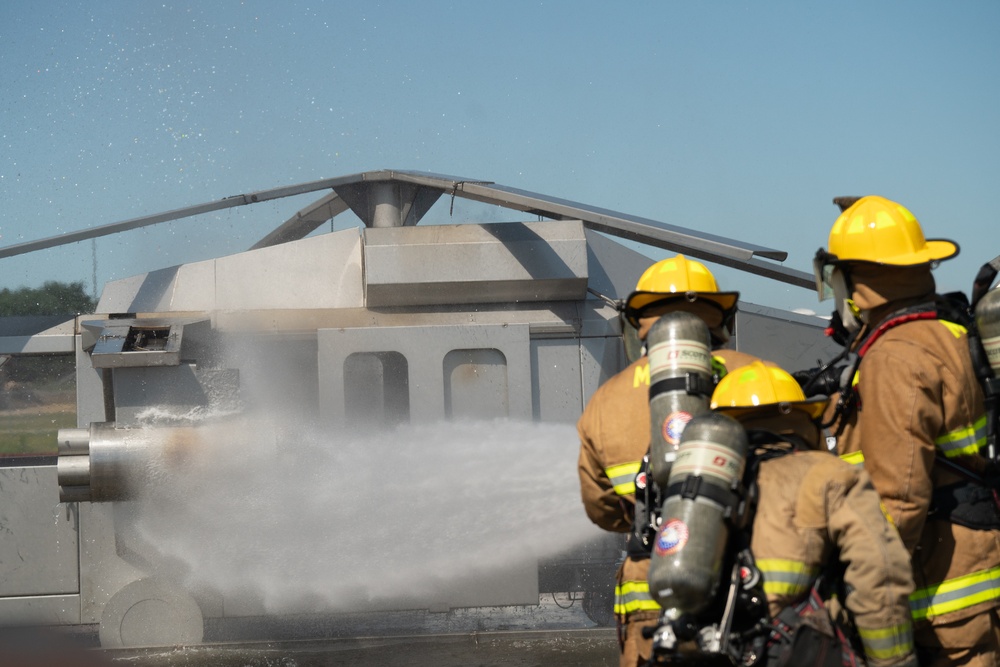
(742, 119)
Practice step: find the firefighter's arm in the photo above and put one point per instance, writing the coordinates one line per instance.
(877, 578)
(603, 504)
(899, 416)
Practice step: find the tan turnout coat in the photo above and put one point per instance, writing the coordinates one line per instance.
(798, 522)
(919, 399)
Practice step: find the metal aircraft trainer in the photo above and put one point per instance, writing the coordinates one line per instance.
(385, 323)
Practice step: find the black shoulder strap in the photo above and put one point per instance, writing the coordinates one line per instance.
(761, 449)
(847, 402)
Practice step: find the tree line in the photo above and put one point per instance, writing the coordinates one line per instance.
(52, 298)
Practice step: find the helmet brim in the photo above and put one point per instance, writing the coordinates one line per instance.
(814, 407)
(936, 250)
(640, 301)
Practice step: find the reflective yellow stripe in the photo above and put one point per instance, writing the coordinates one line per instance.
(957, 330)
(885, 513)
(719, 367)
(632, 596)
(854, 458)
(786, 577)
(964, 441)
(955, 594)
(887, 643)
(622, 476)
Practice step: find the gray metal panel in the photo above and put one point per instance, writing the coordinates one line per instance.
(29, 325)
(40, 610)
(173, 392)
(38, 548)
(89, 388)
(598, 320)
(600, 358)
(459, 264)
(103, 572)
(793, 341)
(185, 287)
(425, 350)
(277, 374)
(317, 272)
(175, 389)
(37, 335)
(514, 584)
(614, 269)
(555, 379)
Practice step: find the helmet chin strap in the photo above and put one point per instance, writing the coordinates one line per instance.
(850, 315)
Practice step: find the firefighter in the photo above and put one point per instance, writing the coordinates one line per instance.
(615, 428)
(816, 514)
(911, 411)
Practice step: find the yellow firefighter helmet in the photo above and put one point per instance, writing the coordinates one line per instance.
(757, 386)
(677, 278)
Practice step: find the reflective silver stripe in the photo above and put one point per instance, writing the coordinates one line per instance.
(887, 643)
(964, 441)
(955, 594)
(633, 596)
(622, 477)
(786, 577)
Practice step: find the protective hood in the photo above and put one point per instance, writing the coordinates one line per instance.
(877, 285)
(796, 423)
(709, 312)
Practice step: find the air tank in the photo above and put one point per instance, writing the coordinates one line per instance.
(988, 323)
(680, 384)
(700, 498)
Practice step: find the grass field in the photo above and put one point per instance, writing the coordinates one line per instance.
(33, 430)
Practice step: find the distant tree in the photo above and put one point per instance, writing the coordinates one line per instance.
(52, 298)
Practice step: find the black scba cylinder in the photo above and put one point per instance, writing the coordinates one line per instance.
(700, 498)
(680, 384)
(988, 323)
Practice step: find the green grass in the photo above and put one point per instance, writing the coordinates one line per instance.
(30, 432)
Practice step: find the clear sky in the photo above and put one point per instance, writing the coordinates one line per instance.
(742, 119)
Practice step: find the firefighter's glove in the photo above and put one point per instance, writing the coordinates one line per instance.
(820, 381)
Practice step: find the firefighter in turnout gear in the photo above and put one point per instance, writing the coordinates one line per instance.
(615, 428)
(816, 515)
(912, 413)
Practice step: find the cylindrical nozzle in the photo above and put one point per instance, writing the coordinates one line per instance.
(73, 441)
(103, 463)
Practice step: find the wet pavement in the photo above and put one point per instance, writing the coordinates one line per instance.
(556, 633)
(586, 648)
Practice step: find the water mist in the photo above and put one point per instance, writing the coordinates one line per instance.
(305, 519)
